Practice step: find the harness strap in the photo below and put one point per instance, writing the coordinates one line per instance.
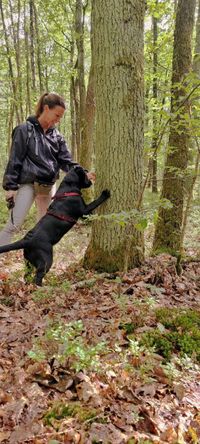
(62, 217)
(61, 195)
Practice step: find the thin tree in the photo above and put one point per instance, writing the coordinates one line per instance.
(80, 66)
(10, 64)
(87, 136)
(168, 228)
(17, 52)
(155, 97)
(32, 46)
(38, 49)
(27, 62)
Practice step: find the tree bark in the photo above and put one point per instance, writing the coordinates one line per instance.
(168, 228)
(10, 65)
(194, 176)
(87, 136)
(196, 60)
(72, 105)
(32, 50)
(38, 50)
(28, 80)
(119, 94)
(155, 97)
(81, 89)
(16, 44)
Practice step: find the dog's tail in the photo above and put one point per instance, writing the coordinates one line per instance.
(18, 245)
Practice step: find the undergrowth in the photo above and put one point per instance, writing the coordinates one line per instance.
(181, 333)
(65, 343)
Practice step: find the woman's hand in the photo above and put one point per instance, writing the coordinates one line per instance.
(11, 194)
(10, 198)
(91, 176)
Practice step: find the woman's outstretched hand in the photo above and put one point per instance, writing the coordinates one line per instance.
(91, 175)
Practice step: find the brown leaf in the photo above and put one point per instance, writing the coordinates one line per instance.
(169, 436)
(86, 390)
(147, 425)
(24, 432)
(5, 397)
(106, 433)
(160, 375)
(14, 410)
(147, 390)
(179, 390)
(4, 436)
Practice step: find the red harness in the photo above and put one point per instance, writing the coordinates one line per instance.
(61, 195)
(62, 216)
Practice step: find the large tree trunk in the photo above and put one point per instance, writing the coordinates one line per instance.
(194, 143)
(168, 228)
(119, 94)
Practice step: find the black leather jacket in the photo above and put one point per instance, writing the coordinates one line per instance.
(37, 156)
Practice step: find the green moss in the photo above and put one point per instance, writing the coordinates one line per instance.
(172, 318)
(159, 341)
(60, 411)
(128, 327)
(182, 336)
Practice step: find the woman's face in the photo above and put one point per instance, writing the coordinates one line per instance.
(52, 115)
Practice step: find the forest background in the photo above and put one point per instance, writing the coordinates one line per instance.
(47, 46)
(130, 74)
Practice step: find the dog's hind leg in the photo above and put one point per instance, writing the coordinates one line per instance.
(43, 267)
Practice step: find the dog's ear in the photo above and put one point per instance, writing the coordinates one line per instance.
(79, 170)
(83, 179)
(73, 174)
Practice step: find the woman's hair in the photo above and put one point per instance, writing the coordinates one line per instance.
(50, 99)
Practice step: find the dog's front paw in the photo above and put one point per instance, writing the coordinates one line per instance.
(106, 194)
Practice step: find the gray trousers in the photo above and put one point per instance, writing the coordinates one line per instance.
(24, 200)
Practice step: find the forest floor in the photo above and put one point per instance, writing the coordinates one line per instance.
(99, 358)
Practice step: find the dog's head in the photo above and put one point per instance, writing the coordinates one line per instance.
(78, 176)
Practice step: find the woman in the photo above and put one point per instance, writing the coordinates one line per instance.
(37, 154)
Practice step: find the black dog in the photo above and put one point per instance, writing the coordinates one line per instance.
(68, 205)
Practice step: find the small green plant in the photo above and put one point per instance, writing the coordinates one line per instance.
(65, 343)
(135, 348)
(122, 302)
(55, 281)
(171, 370)
(37, 354)
(7, 301)
(128, 327)
(61, 410)
(43, 294)
(65, 286)
(185, 362)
